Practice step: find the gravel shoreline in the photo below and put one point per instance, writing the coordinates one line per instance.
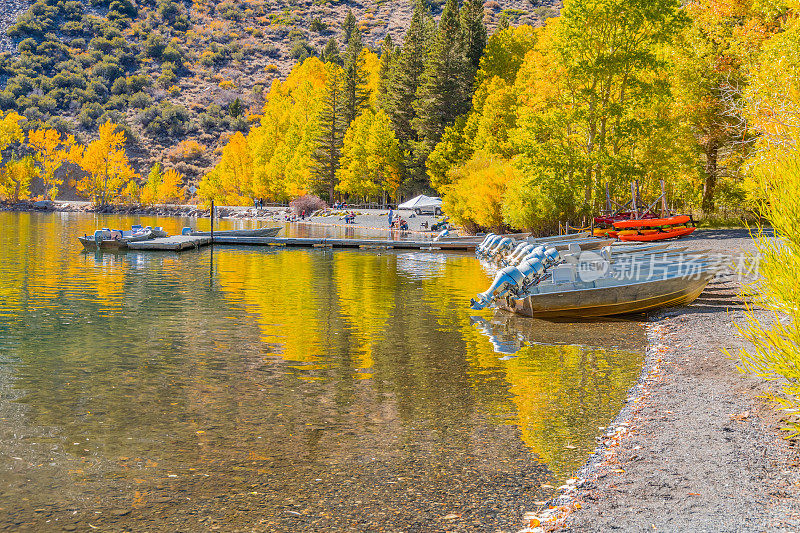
(696, 448)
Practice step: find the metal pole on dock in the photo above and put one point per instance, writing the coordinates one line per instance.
(212, 221)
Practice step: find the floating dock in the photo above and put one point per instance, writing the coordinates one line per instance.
(178, 243)
(314, 242)
(174, 243)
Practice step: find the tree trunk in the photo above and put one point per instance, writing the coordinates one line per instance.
(710, 184)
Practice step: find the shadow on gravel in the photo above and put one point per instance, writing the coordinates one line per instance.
(721, 234)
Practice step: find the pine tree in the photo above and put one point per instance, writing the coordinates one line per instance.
(444, 93)
(331, 52)
(473, 30)
(348, 26)
(235, 108)
(385, 71)
(356, 93)
(332, 127)
(405, 79)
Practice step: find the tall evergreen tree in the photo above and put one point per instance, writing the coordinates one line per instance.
(332, 127)
(385, 71)
(348, 26)
(444, 93)
(356, 78)
(473, 30)
(405, 79)
(331, 52)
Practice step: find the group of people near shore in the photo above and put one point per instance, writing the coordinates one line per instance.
(397, 223)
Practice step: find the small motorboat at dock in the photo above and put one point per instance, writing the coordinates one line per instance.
(256, 232)
(117, 239)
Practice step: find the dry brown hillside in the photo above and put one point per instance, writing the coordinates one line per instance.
(170, 69)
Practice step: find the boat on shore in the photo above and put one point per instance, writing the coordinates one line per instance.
(563, 279)
(257, 232)
(609, 297)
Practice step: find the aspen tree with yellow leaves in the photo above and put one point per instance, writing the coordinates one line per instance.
(51, 150)
(106, 164)
(161, 187)
(15, 174)
(231, 181)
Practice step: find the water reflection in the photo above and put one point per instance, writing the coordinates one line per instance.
(296, 389)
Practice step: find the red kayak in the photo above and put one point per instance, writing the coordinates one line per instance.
(659, 236)
(652, 222)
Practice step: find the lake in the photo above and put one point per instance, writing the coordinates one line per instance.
(277, 389)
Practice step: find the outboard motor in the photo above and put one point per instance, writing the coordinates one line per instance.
(503, 244)
(487, 242)
(531, 269)
(517, 256)
(98, 236)
(514, 252)
(506, 279)
(186, 230)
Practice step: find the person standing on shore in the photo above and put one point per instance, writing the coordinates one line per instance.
(391, 216)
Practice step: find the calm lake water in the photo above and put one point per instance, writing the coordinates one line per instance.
(276, 389)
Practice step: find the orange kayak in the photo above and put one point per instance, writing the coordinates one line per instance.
(658, 236)
(608, 232)
(652, 222)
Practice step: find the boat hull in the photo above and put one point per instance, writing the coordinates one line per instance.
(90, 244)
(658, 236)
(610, 301)
(258, 232)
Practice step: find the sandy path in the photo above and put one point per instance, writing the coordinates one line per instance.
(701, 451)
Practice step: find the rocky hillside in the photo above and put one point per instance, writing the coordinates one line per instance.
(170, 70)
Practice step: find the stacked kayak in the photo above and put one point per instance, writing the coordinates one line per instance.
(654, 229)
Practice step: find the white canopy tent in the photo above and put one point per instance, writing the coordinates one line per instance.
(422, 202)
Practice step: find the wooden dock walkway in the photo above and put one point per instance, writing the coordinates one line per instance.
(315, 242)
(178, 243)
(174, 243)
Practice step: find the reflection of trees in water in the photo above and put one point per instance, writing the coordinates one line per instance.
(292, 363)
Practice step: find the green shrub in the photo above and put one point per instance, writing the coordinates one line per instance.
(317, 25)
(164, 119)
(72, 10)
(98, 89)
(108, 69)
(229, 10)
(117, 101)
(301, 50)
(139, 100)
(27, 46)
(89, 114)
(154, 45)
(172, 54)
(167, 77)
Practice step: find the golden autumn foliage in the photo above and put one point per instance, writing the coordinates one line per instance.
(231, 181)
(16, 174)
(106, 163)
(772, 105)
(15, 178)
(475, 194)
(372, 161)
(51, 150)
(186, 150)
(10, 129)
(162, 187)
